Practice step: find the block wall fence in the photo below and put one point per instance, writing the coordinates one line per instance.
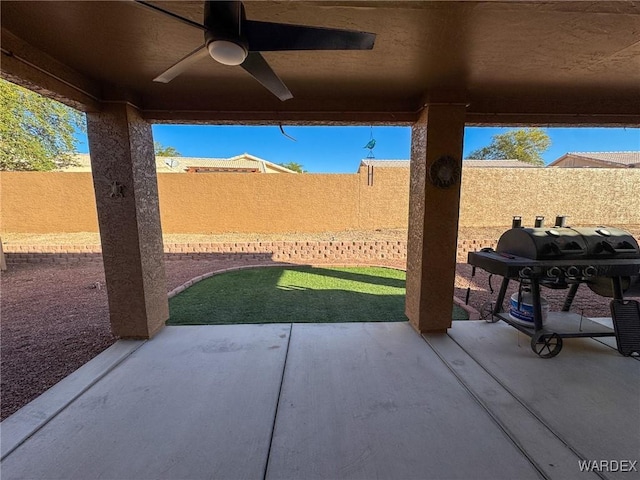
(35, 202)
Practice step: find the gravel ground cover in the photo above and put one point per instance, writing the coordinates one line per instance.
(54, 318)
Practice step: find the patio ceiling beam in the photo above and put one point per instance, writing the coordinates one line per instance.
(323, 118)
(589, 110)
(434, 204)
(508, 119)
(583, 108)
(31, 68)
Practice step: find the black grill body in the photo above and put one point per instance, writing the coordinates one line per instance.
(564, 243)
(605, 258)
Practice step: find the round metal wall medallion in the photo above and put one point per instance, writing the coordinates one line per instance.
(444, 172)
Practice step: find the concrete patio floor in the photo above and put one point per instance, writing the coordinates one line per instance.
(333, 401)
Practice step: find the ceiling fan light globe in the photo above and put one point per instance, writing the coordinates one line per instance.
(226, 52)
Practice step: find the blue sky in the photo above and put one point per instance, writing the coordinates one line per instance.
(340, 149)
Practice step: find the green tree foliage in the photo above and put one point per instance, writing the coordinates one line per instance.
(162, 151)
(36, 133)
(525, 144)
(296, 167)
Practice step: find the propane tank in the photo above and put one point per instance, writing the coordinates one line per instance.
(524, 314)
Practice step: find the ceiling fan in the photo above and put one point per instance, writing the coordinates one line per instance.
(231, 39)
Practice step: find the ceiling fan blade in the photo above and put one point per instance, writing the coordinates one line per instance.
(171, 14)
(258, 67)
(175, 70)
(267, 36)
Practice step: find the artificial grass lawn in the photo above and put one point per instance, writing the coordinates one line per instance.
(295, 295)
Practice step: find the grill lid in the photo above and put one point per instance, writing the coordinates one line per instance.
(569, 243)
(606, 242)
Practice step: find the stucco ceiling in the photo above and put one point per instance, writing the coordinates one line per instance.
(511, 62)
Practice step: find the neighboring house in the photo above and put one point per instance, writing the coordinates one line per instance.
(244, 163)
(498, 164)
(370, 163)
(598, 160)
(84, 165)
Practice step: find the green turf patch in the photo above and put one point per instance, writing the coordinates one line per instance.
(295, 295)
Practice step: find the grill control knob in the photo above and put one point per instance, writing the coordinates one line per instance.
(526, 272)
(573, 271)
(590, 271)
(554, 272)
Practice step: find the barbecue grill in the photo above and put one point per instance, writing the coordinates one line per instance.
(606, 259)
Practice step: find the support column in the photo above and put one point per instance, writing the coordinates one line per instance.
(433, 217)
(126, 189)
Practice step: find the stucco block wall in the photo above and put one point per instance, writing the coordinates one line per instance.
(222, 202)
(33, 202)
(46, 202)
(491, 196)
(384, 199)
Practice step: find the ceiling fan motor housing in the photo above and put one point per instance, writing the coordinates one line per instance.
(224, 37)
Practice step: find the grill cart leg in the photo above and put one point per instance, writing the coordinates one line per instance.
(497, 308)
(537, 307)
(571, 294)
(617, 288)
(546, 345)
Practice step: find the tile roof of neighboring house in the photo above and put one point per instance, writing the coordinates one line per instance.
(181, 164)
(613, 158)
(465, 163)
(384, 163)
(498, 163)
(239, 161)
(84, 164)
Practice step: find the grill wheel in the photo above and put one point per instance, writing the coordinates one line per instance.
(486, 312)
(546, 345)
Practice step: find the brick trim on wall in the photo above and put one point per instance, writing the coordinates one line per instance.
(290, 252)
(306, 251)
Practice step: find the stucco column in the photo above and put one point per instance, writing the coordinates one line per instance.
(126, 189)
(433, 217)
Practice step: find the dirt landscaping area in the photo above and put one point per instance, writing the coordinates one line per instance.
(54, 317)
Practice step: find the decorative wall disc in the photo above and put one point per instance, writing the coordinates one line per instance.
(444, 172)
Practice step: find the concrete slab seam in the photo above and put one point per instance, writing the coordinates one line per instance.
(486, 408)
(275, 413)
(521, 402)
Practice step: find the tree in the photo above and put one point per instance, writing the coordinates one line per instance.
(296, 167)
(525, 144)
(162, 151)
(36, 133)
